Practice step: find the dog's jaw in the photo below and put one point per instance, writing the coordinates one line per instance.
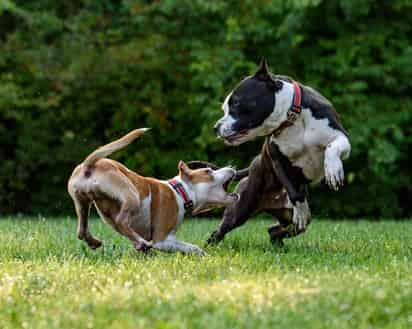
(208, 194)
(214, 193)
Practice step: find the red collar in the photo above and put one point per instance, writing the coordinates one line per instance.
(178, 187)
(294, 110)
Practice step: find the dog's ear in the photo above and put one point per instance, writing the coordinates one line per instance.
(198, 164)
(184, 171)
(200, 210)
(263, 74)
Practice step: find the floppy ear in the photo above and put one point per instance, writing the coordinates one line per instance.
(184, 171)
(197, 164)
(263, 74)
(199, 210)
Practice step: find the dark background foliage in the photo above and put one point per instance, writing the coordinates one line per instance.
(77, 74)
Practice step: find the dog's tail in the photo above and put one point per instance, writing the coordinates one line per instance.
(106, 150)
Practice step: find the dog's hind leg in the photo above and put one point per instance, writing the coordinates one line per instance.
(82, 205)
(116, 186)
(286, 228)
(279, 231)
(123, 224)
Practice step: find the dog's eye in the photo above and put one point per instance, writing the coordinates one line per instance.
(234, 101)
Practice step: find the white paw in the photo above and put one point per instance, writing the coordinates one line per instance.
(334, 174)
(198, 251)
(301, 215)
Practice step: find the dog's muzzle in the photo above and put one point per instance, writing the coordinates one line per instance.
(223, 128)
(216, 128)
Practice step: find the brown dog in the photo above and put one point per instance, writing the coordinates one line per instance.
(145, 210)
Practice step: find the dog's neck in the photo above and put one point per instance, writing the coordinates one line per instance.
(189, 191)
(284, 99)
(283, 102)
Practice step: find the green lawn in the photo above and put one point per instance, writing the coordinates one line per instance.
(337, 275)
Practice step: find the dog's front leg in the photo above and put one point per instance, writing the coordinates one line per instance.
(171, 244)
(301, 216)
(293, 220)
(250, 192)
(295, 189)
(335, 152)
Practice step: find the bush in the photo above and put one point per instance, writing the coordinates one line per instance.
(75, 75)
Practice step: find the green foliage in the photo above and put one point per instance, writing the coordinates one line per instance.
(337, 275)
(77, 74)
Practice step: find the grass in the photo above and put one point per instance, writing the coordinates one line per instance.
(337, 275)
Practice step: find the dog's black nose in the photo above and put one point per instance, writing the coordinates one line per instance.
(216, 128)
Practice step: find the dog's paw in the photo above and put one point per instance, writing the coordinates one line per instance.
(276, 234)
(198, 251)
(277, 242)
(142, 246)
(94, 243)
(334, 174)
(214, 238)
(301, 216)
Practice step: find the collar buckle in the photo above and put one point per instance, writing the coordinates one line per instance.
(188, 205)
(292, 116)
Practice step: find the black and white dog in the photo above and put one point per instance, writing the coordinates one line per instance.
(305, 143)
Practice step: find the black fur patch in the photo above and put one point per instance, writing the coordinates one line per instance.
(321, 108)
(319, 105)
(251, 103)
(291, 177)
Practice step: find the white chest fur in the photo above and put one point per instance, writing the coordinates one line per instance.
(305, 142)
(179, 200)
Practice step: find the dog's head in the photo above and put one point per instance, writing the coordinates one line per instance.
(209, 186)
(250, 109)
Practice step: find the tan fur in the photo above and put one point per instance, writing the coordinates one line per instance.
(145, 210)
(195, 176)
(113, 179)
(164, 210)
(118, 144)
(118, 195)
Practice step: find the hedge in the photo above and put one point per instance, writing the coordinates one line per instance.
(77, 74)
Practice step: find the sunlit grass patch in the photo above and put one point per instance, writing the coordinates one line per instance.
(337, 275)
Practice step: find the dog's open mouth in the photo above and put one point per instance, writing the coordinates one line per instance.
(232, 138)
(225, 186)
(226, 183)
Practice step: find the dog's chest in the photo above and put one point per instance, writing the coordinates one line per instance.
(304, 144)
